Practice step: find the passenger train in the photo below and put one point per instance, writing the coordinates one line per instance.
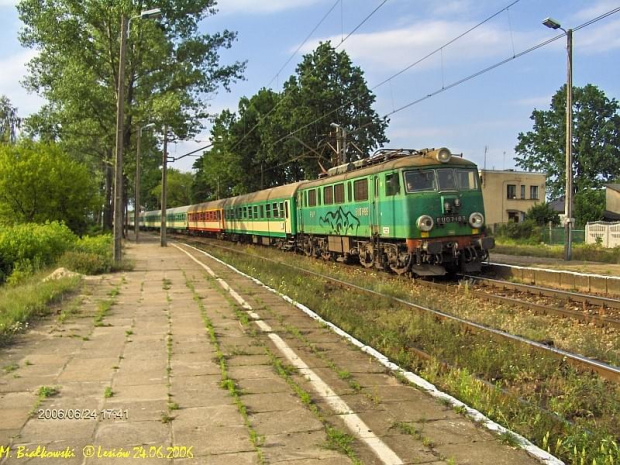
(418, 212)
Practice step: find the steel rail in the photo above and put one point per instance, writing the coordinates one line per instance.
(549, 292)
(538, 308)
(610, 372)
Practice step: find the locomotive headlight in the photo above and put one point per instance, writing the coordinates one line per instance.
(457, 203)
(443, 155)
(425, 223)
(476, 220)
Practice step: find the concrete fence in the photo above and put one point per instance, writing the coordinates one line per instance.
(608, 234)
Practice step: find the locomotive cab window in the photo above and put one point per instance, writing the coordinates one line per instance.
(416, 181)
(446, 179)
(467, 179)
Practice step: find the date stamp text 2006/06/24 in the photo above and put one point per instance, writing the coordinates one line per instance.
(82, 414)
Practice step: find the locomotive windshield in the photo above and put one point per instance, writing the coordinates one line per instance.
(441, 179)
(419, 180)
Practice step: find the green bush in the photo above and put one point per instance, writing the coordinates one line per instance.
(29, 247)
(99, 245)
(527, 232)
(85, 262)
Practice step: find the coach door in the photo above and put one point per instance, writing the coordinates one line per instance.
(375, 213)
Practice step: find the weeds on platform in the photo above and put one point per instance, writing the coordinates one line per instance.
(226, 382)
(29, 300)
(570, 413)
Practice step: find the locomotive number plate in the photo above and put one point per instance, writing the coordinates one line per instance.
(451, 219)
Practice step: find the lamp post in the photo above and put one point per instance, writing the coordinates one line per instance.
(568, 197)
(136, 213)
(120, 107)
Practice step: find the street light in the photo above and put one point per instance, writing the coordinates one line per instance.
(120, 106)
(568, 197)
(136, 213)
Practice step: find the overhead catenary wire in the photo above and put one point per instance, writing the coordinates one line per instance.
(453, 84)
(438, 91)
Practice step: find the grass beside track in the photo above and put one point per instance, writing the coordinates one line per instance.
(31, 299)
(572, 414)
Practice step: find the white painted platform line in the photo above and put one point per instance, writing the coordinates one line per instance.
(526, 445)
(340, 407)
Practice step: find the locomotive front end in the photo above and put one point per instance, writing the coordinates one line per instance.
(446, 215)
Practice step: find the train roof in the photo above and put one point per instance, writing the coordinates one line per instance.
(278, 192)
(403, 159)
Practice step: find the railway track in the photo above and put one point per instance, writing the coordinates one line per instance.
(604, 370)
(586, 308)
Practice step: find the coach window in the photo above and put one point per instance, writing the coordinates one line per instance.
(276, 214)
(268, 211)
(285, 209)
(392, 186)
(261, 212)
(255, 211)
(349, 192)
(360, 189)
(312, 198)
(339, 193)
(328, 195)
(318, 196)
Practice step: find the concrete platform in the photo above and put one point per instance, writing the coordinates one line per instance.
(147, 383)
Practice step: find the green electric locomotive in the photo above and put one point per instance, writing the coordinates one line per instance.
(411, 211)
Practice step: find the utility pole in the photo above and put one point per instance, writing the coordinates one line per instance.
(137, 186)
(568, 206)
(118, 162)
(164, 175)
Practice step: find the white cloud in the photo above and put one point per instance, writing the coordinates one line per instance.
(13, 71)
(396, 48)
(261, 7)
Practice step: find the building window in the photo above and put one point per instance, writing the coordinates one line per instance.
(522, 192)
(511, 191)
(534, 192)
(513, 217)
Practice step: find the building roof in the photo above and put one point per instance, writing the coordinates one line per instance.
(615, 187)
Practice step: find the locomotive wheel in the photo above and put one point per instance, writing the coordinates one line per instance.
(398, 263)
(309, 248)
(367, 255)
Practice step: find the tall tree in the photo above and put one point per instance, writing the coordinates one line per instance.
(596, 141)
(326, 89)
(39, 182)
(168, 65)
(241, 160)
(9, 121)
(179, 189)
(275, 139)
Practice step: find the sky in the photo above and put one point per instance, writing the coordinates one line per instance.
(389, 40)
